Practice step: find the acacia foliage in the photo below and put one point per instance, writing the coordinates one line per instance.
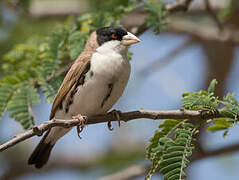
(172, 143)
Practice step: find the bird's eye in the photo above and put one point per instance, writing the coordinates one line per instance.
(114, 36)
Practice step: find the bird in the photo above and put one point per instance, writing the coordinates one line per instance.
(93, 84)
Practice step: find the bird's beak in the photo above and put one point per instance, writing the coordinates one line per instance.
(130, 39)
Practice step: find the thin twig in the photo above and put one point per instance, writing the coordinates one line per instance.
(127, 116)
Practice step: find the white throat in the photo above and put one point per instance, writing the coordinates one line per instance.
(113, 46)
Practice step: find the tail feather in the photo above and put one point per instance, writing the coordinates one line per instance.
(41, 154)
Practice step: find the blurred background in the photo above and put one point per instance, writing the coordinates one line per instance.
(196, 47)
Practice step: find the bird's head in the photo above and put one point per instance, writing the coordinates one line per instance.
(115, 38)
(110, 38)
(115, 33)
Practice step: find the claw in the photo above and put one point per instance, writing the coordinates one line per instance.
(110, 126)
(79, 130)
(116, 115)
(83, 122)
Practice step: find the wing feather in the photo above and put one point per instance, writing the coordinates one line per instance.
(70, 80)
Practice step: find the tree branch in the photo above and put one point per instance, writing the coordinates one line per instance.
(127, 116)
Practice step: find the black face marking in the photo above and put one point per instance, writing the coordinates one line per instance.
(110, 33)
(80, 82)
(110, 86)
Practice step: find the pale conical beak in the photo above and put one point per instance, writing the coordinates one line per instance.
(130, 39)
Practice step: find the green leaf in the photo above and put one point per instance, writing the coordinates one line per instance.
(52, 52)
(20, 105)
(165, 129)
(228, 113)
(202, 99)
(156, 15)
(6, 91)
(220, 124)
(155, 148)
(211, 88)
(20, 57)
(171, 153)
(50, 88)
(175, 155)
(231, 104)
(77, 42)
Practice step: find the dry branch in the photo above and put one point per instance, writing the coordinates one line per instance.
(127, 116)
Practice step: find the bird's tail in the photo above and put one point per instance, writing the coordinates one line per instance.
(40, 155)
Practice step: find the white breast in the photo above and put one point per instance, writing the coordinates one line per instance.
(108, 67)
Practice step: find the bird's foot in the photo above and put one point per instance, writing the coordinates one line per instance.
(81, 125)
(116, 114)
(37, 131)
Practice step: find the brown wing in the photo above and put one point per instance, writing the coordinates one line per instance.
(70, 80)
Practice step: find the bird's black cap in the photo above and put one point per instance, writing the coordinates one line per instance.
(105, 34)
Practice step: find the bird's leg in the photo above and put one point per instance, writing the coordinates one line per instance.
(116, 114)
(81, 125)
